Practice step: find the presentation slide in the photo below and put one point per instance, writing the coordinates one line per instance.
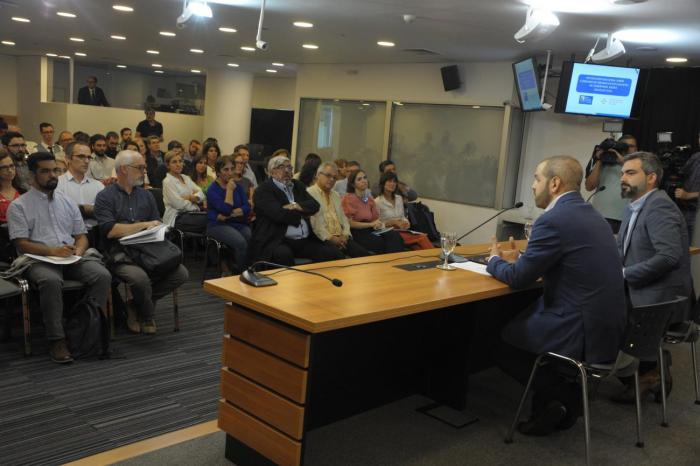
(527, 85)
(602, 90)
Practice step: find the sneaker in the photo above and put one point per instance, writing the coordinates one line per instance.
(149, 327)
(59, 352)
(132, 318)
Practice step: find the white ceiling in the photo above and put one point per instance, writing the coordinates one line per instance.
(345, 30)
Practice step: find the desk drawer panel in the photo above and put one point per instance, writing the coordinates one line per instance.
(276, 338)
(265, 369)
(263, 404)
(259, 436)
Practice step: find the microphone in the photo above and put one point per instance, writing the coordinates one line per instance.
(456, 257)
(251, 277)
(597, 190)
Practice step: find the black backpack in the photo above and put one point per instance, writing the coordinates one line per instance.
(87, 330)
(423, 220)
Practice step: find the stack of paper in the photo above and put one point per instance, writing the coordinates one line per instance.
(149, 235)
(55, 259)
(472, 267)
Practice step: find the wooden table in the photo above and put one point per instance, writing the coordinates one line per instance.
(305, 353)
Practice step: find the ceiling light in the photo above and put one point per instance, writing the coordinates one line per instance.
(80, 54)
(398, 103)
(77, 39)
(196, 50)
(676, 60)
(121, 66)
(64, 56)
(303, 24)
(196, 71)
(232, 65)
(158, 71)
(20, 19)
(310, 46)
(7, 42)
(167, 33)
(51, 55)
(153, 52)
(384, 43)
(156, 65)
(626, 2)
(271, 71)
(613, 49)
(647, 36)
(278, 64)
(192, 8)
(116, 37)
(539, 24)
(65, 14)
(246, 48)
(223, 29)
(123, 8)
(365, 104)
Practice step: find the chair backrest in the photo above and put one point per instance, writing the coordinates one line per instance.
(157, 194)
(646, 326)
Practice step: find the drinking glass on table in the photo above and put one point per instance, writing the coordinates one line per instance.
(448, 241)
(527, 228)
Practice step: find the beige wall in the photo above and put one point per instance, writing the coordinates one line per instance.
(8, 85)
(274, 93)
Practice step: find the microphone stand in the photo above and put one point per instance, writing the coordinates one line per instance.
(251, 277)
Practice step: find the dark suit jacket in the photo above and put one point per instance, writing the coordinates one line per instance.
(84, 97)
(657, 262)
(581, 312)
(272, 220)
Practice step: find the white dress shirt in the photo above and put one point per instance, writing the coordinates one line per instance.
(173, 190)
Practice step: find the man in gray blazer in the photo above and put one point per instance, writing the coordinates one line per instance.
(653, 245)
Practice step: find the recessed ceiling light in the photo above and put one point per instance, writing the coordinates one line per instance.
(123, 8)
(398, 103)
(121, 66)
(271, 71)
(676, 60)
(116, 37)
(246, 48)
(303, 24)
(384, 43)
(196, 50)
(196, 70)
(647, 36)
(158, 71)
(20, 19)
(156, 65)
(365, 104)
(65, 14)
(310, 46)
(153, 52)
(223, 29)
(80, 54)
(232, 65)
(64, 56)
(51, 55)
(476, 106)
(7, 42)
(278, 64)
(77, 39)
(167, 33)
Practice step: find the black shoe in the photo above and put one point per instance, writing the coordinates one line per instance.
(545, 421)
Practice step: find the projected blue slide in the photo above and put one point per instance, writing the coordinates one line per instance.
(527, 85)
(602, 90)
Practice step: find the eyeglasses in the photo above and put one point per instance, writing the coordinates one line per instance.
(328, 175)
(17, 145)
(7, 168)
(141, 168)
(284, 167)
(82, 157)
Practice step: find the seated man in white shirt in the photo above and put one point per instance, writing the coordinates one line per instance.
(77, 184)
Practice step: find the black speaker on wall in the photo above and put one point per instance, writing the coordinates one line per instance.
(450, 77)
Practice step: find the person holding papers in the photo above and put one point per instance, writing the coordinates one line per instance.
(122, 209)
(43, 222)
(581, 313)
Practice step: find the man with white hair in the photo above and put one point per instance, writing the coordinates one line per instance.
(124, 208)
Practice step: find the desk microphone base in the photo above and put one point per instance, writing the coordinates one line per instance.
(256, 279)
(446, 415)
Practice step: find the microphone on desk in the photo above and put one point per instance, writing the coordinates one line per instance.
(598, 189)
(250, 276)
(456, 257)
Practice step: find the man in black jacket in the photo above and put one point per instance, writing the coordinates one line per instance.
(282, 230)
(91, 94)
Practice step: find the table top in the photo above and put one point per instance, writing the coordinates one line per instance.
(373, 290)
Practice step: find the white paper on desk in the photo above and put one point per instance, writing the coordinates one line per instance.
(149, 235)
(472, 267)
(55, 259)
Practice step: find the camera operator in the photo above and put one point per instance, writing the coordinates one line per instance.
(604, 170)
(688, 194)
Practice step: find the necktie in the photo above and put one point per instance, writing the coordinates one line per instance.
(92, 94)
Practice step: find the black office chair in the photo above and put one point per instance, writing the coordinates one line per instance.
(642, 340)
(9, 290)
(688, 332)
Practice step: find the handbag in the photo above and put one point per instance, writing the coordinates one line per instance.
(157, 258)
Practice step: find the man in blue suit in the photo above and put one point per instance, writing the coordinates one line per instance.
(581, 313)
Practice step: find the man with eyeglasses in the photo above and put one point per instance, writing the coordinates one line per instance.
(17, 147)
(77, 184)
(47, 145)
(47, 223)
(122, 209)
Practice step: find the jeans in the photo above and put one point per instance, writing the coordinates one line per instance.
(236, 240)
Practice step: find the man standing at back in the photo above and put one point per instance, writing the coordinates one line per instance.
(91, 94)
(581, 313)
(653, 245)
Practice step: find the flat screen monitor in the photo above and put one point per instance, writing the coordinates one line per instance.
(597, 90)
(526, 82)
